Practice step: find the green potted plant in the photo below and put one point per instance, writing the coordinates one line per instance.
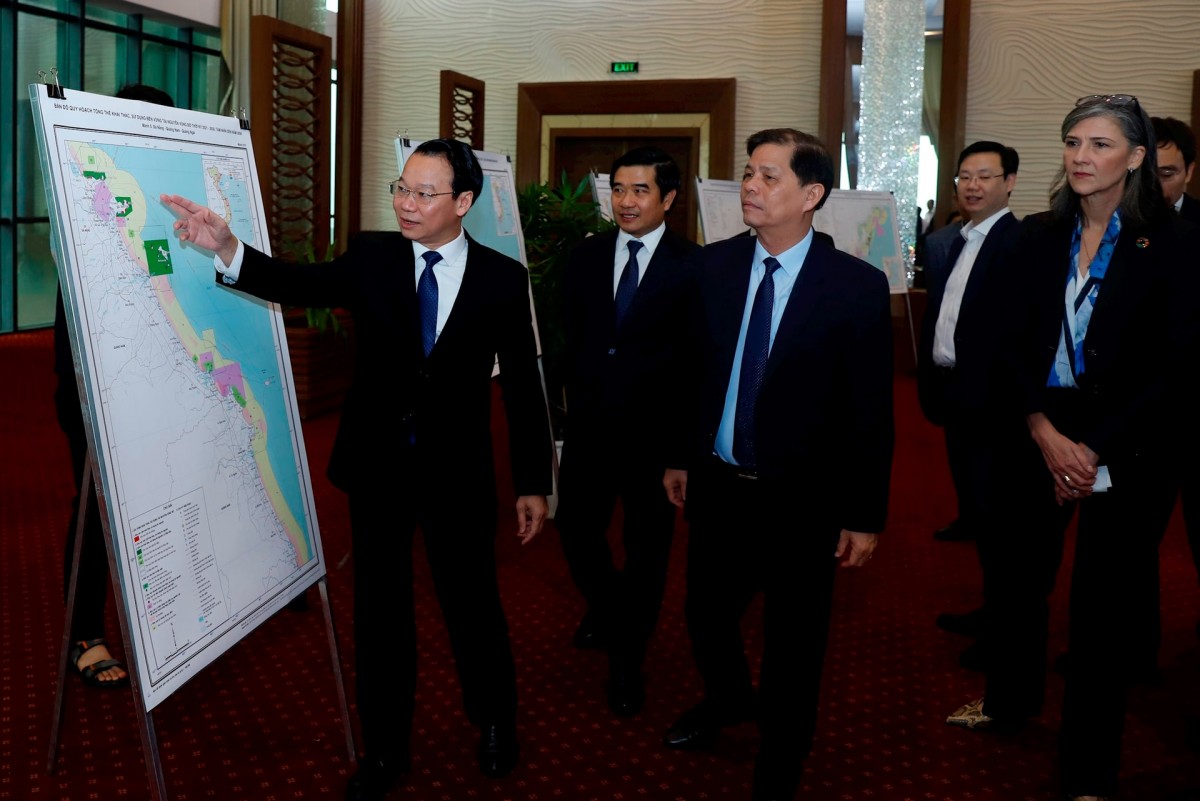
(554, 220)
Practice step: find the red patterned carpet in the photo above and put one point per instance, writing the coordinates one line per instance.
(263, 722)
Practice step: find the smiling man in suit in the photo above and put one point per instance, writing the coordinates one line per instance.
(433, 311)
(955, 357)
(623, 310)
(785, 461)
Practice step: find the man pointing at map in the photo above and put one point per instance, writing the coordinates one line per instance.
(433, 310)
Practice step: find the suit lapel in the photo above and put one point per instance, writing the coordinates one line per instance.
(983, 260)
(801, 303)
(728, 303)
(406, 298)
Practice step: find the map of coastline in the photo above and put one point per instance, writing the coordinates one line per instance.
(198, 425)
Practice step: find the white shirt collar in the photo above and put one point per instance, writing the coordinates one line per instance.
(649, 241)
(451, 251)
(984, 226)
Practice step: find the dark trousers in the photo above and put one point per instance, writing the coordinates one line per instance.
(459, 537)
(1112, 595)
(738, 547)
(624, 602)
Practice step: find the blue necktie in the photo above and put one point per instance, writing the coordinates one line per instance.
(427, 300)
(754, 365)
(627, 286)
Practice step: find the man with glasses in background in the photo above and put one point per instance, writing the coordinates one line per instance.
(433, 311)
(1176, 163)
(953, 362)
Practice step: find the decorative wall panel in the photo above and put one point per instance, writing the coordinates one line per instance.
(1031, 59)
(772, 48)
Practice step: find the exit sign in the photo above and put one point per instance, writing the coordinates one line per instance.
(624, 66)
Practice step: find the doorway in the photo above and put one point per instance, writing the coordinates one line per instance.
(612, 116)
(578, 151)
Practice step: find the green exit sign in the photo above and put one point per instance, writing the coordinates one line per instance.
(624, 66)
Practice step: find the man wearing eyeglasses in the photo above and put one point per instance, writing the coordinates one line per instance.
(953, 376)
(433, 311)
(1176, 162)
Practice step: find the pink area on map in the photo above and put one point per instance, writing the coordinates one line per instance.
(227, 376)
(259, 423)
(102, 201)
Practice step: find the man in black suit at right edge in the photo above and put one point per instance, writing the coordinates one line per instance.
(785, 464)
(623, 304)
(1176, 163)
(954, 360)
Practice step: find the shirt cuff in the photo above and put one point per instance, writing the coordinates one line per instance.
(230, 274)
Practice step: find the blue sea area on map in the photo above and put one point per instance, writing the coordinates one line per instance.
(242, 325)
(481, 224)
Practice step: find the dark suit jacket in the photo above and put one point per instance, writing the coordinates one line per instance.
(445, 399)
(1190, 209)
(824, 414)
(975, 333)
(619, 383)
(937, 247)
(1127, 405)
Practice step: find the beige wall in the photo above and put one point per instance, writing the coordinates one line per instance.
(1030, 60)
(772, 48)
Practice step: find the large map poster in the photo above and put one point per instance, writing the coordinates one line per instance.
(720, 208)
(863, 224)
(194, 427)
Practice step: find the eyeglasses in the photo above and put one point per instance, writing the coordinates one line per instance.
(423, 198)
(1112, 100)
(963, 180)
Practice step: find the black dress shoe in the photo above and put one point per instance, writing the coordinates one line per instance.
(969, 624)
(955, 532)
(589, 635)
(498, 750)
(374, 778)
(699, 727)
(626, 693)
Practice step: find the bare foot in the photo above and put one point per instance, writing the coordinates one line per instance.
(98, 653)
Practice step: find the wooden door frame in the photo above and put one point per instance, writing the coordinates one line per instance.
(714, 97)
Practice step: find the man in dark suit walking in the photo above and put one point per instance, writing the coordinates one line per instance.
(623, 310)
(433, 311)
(1176, 163)
(954, 360)
(786, 463)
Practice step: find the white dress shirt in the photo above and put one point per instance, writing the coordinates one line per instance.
(956, 285)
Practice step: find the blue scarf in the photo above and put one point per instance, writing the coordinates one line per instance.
(1079, 301)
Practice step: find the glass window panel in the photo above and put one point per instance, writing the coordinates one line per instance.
(102, 14)
(156, 28)
(37, 277)
(207, 83)
(37, 49)
(107, 65)
(66, 6)
(204, 39)
(163, 66)
(7, 322)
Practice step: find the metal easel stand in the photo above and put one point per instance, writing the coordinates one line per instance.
(145, 720)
